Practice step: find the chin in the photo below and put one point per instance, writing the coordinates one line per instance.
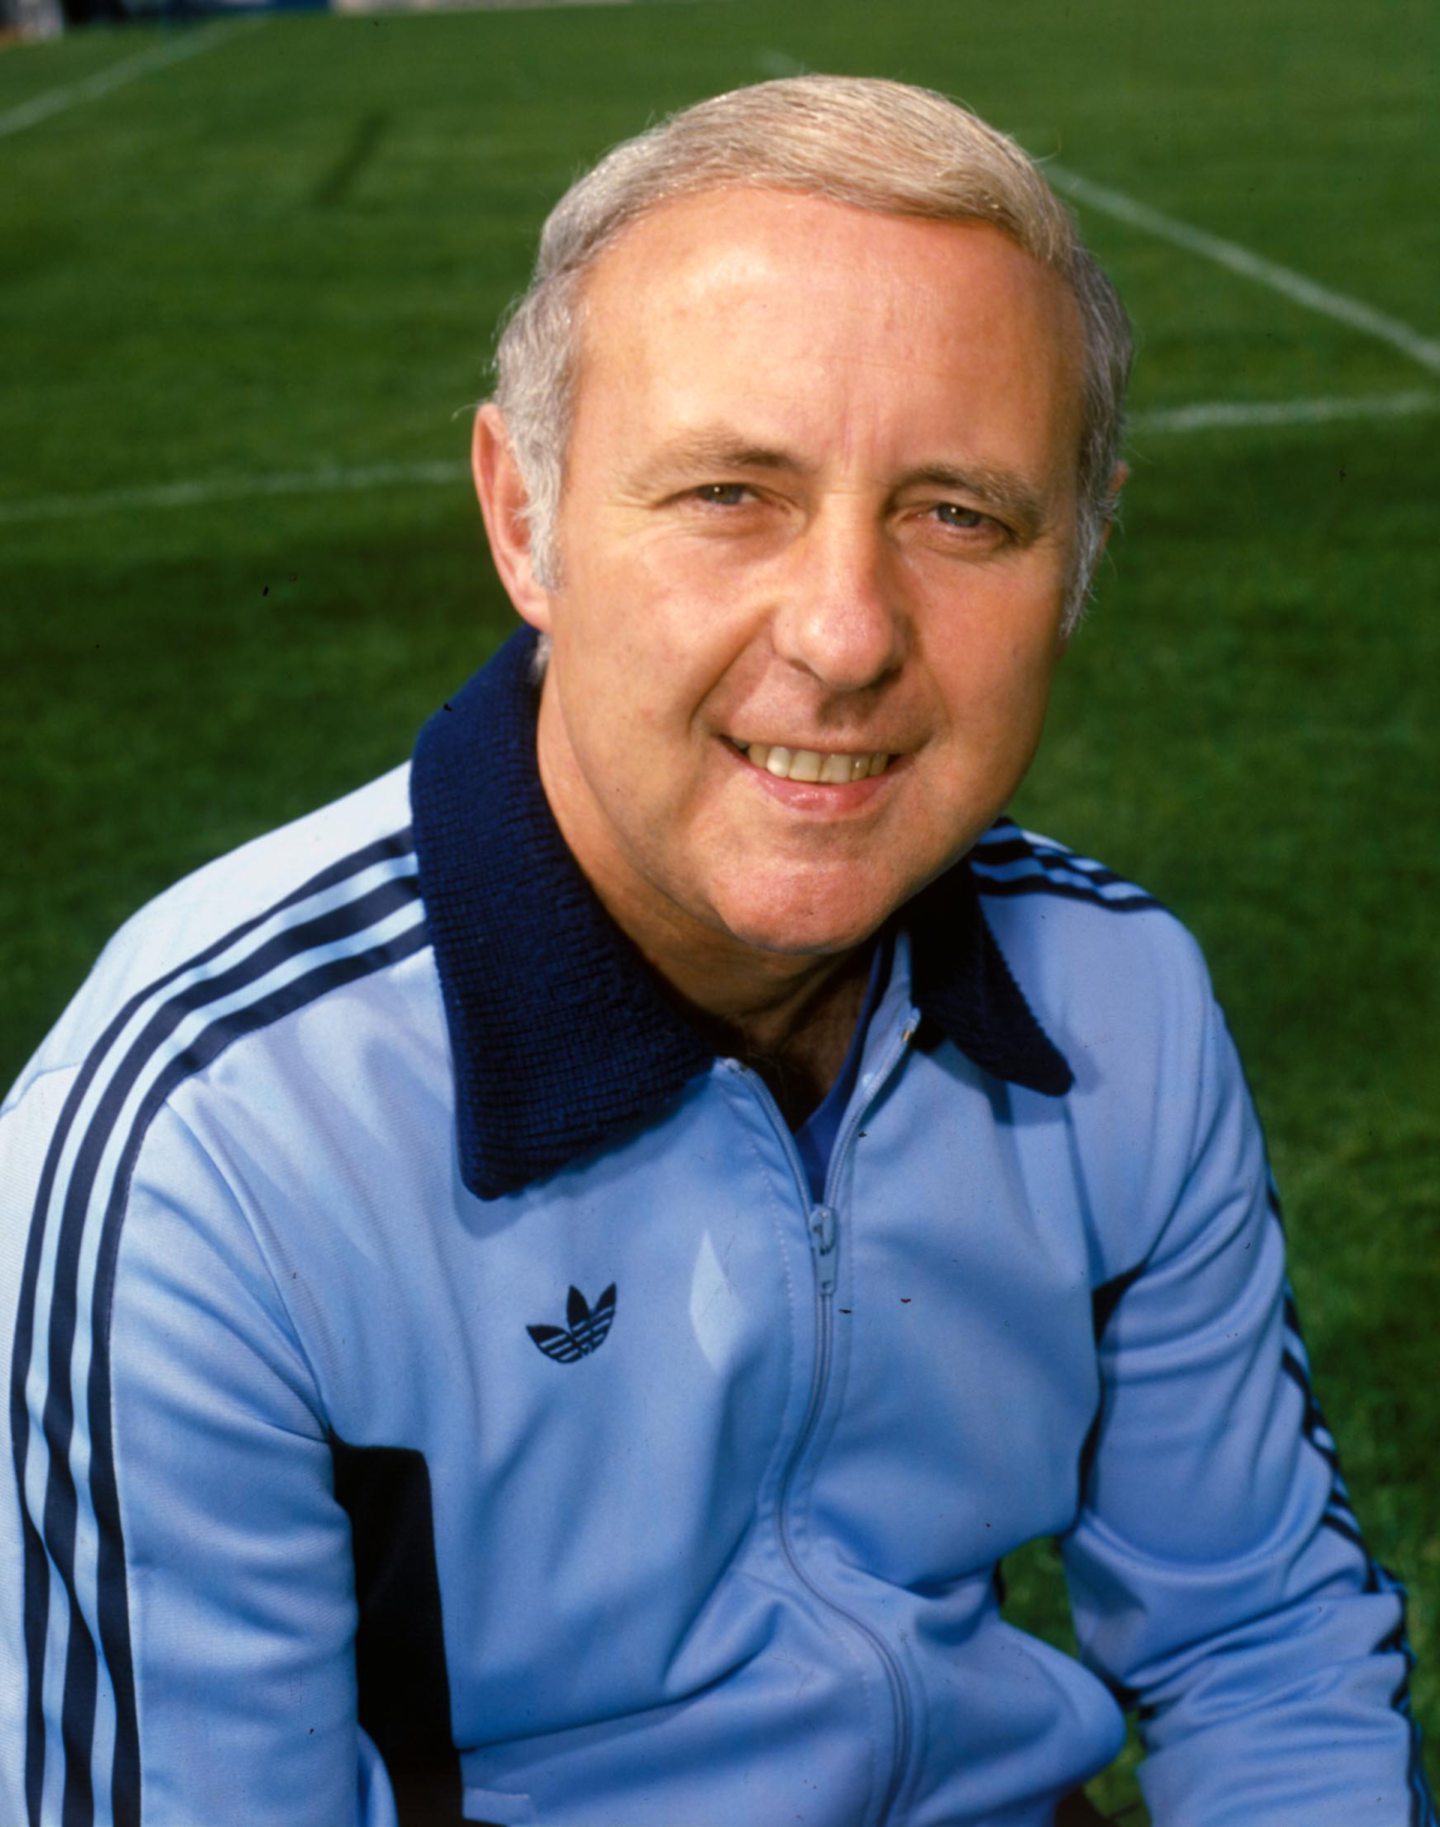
(804, 927)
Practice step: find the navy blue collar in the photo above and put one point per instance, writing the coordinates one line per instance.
(561, 1034)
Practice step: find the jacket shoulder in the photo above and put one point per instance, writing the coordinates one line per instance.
(1106, 967)
(1012, 864)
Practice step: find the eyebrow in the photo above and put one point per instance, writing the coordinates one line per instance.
(1009, 494)
(710, 450)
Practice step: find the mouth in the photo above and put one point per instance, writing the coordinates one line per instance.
(822, 767)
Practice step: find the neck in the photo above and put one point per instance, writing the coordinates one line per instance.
(799, 1049)
(790, 1018)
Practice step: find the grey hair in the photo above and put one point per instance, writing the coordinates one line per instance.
(876, 144)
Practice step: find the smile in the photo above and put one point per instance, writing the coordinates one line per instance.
(831, 769)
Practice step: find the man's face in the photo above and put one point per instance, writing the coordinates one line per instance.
(820, 498)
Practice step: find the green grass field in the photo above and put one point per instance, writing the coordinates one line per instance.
(283, 255)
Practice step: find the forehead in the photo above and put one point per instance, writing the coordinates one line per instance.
(791, 305)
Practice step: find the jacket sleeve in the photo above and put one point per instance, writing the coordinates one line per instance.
(173, 1561)
(1218, 1575)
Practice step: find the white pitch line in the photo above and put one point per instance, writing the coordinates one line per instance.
(1295, 286)
(174, 50)
(1239, 414)
(774, 63)
(335, 479)
(330, 480)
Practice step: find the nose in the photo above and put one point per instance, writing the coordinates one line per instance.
(839, 614)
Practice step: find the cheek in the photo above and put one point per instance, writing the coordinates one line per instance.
(661, 643)
(632, 688)
(1028, 669)
(1000, 677)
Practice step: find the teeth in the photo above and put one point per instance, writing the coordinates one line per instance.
(805, 764)
(830, 769)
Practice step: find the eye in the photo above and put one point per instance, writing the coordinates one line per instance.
(962, 519)
(722, 494)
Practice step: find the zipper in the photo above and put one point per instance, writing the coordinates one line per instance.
(822, 1226)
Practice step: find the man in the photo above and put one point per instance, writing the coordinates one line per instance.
(545, 1291)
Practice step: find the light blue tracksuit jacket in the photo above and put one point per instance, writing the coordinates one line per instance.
(438, 1395)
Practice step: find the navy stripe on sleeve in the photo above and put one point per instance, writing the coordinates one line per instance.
(357, 916)
(1008, 861)
(1341, 1520)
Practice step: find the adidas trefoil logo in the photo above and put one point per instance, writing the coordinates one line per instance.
(588, 1328)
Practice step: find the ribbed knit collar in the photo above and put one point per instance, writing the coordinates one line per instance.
(561, 1034)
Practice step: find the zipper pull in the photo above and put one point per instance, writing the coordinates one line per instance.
(824, 1235)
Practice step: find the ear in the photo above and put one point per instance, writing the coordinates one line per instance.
(1117, 481)
(503, 499)
(1120, 475)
